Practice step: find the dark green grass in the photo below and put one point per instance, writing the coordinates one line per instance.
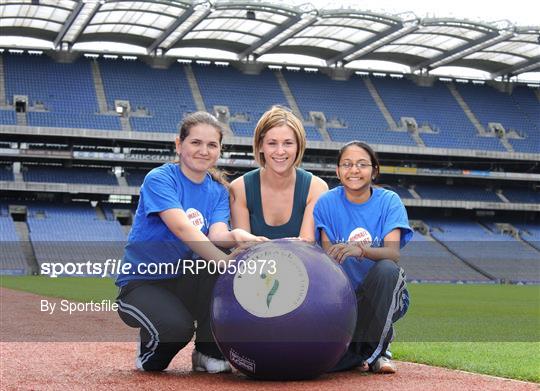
(492, 329)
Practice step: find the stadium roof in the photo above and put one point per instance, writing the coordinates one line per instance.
(250, 29)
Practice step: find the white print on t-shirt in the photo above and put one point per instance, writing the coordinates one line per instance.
(195, 217)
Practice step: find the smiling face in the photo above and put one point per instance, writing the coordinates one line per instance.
(199, 151)
(355, 170)
(279, 148)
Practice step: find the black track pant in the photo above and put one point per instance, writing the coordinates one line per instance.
(380, 304)
(165, 311)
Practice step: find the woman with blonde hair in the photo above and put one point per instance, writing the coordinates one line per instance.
(277, 199)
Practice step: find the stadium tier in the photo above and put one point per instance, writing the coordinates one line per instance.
(350, 111)
(530, 233)
(135, 177)
(12, 260)
(499, 255)
(86, 93)
(246, 96)
(433, 107)
(70, 96)
(7, 117)
(73, 233)
(94, 176)
(6, 172)
(522, 195)
(159, 98)
(519, 112)
(425, 259)
(457, 193)
(64, 95)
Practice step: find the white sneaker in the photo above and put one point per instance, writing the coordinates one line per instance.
(384, 365)
(203, 363)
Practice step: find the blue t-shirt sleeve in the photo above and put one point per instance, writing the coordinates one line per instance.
(160, 192)
(221, 213)
(396, 217)
(321, 216)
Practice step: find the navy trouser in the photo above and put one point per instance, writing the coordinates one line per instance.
(382, 300)
(165, 311)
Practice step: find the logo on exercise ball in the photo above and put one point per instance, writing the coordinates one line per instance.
(275, 289)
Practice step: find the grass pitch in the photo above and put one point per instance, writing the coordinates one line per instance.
(491, 329)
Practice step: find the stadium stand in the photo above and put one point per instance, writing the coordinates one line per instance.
(348, 103)
(501, 256)
(163, 93)
(530, 233)
(456, 193)
(435, 107)
(159, 98)
(95, 176)
(6, 172)
(7, 117)
(246, 96)
(73, 233)
(108, 209)
(12, 260)
(426, 260)
(65, 90)
(135, 177)
(522, 195)
(520, 113)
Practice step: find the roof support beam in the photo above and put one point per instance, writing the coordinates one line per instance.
(360, 45)
(268, 36)
(174, 25)
(194, 23)
(449, 53)
(299, 25)
(62, 33)
(531, 64)
(89, 17)
(373, 43)
(465, 52)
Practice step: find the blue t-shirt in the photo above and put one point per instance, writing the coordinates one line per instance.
(150, 241)
(370, 222)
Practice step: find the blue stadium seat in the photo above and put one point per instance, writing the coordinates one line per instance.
(66, 90)
(165, 93)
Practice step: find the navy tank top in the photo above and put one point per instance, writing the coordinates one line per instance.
(252, 184)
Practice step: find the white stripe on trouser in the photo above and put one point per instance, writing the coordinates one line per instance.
(144, 321)
(400, 285)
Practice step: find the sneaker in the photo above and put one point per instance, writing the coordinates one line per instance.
(383, 365)
(203, 363)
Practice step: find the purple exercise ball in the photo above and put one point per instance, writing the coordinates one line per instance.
(289, 314)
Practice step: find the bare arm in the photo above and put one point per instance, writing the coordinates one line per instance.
(390, 250)
(238, 202)
(179, 224)
(325, 242)
(316, 188)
